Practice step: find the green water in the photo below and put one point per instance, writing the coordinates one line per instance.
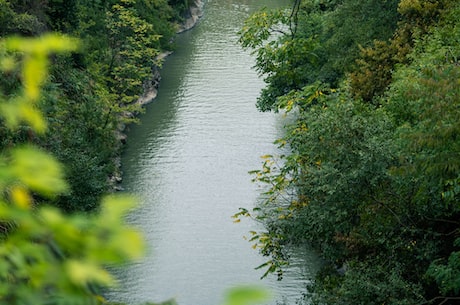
(188, 161)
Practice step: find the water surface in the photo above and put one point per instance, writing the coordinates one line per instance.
(188, 161)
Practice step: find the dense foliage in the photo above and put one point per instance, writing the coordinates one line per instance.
(372, 179)
(46, 257)
(90, 94)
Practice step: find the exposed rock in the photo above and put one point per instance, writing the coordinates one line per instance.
(194, 14)
(150, 86)
(121, 137)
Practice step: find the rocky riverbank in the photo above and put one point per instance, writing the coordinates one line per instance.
(192, 17)
(150, 87)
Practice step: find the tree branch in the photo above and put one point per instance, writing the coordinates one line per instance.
(293, 18)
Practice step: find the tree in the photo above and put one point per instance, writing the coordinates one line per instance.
(374, 186)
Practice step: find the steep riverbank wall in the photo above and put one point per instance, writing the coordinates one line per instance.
(151, 85)
(195, 12)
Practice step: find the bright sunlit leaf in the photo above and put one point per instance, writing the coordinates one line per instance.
(247, 295)
(130, 243)
(21, 197)
(34, 74)
(33, 116)
(34, 53)
(38, 170)
(113, 208)
(45, 44)
(82, 273)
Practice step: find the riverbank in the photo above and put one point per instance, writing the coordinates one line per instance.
(151, 86)
(150, 89)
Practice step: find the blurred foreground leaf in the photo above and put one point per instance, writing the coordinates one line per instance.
(247, 295)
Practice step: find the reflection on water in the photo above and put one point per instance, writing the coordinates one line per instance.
(188, 161)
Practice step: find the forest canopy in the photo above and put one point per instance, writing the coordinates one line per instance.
(71, 72)
(372, 179)
(91, 93)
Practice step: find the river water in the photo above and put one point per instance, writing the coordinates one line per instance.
(188, 161)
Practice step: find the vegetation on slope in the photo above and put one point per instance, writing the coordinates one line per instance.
(372, 179)
(90, 93)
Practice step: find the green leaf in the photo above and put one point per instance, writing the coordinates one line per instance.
(82, 273)
(38, 170)
(247, 295)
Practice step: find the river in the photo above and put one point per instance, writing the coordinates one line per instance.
(188, 161)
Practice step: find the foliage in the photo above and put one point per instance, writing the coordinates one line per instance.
(22, 23)
(316, 42)
(46, 257)
(364, 284)
(52, 259)
(80, 136)
(246, 295)
(91, 94)
(34, 71)
(372, 177)
(447, 275)
(133, 46)
(376, 64)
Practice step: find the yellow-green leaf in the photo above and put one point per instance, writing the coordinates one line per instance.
(38, 170)
(82, 273)
(247, 295)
